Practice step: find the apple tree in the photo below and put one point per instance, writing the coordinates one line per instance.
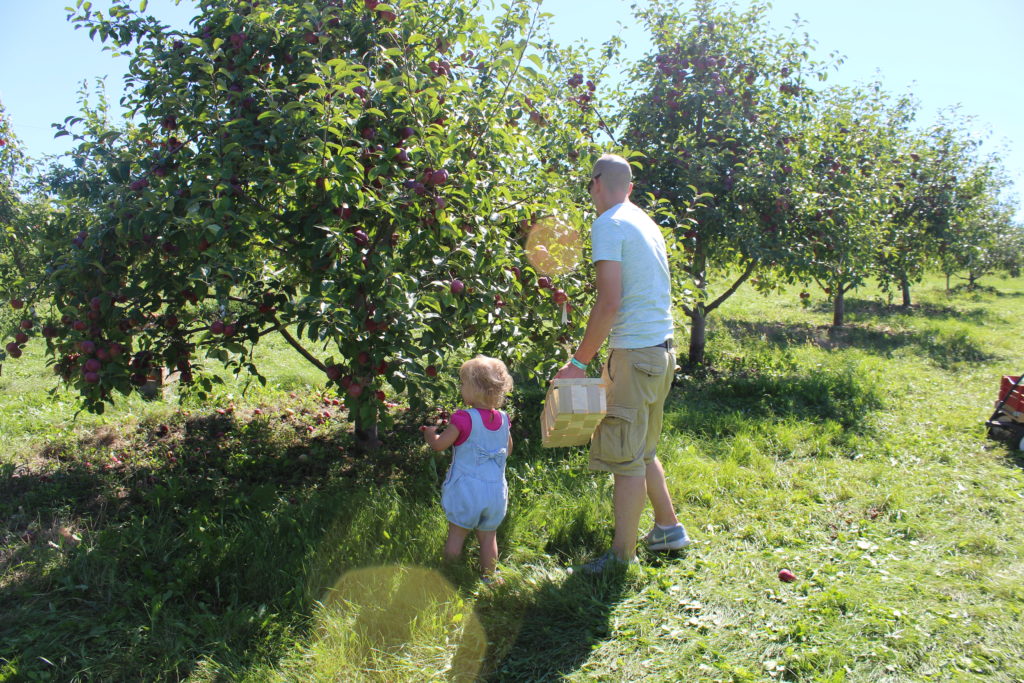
(357, 177)
(849, 178)
(717, 111)
(982, 237)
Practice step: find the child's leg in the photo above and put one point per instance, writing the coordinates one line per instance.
(488, 551)
(456, 539)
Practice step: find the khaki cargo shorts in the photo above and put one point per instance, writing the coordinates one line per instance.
(638, 382)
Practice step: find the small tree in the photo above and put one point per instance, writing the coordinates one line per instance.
(849, 190)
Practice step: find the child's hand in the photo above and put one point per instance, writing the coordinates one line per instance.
(429, 433)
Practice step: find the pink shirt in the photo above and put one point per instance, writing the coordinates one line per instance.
(464, 423)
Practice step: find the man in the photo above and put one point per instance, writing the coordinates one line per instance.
(633, 311)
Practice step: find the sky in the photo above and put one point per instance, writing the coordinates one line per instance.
(946, 52)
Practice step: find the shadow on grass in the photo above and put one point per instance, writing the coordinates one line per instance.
(204, 543)
(872, 308)
(944, 348)
(722, 403)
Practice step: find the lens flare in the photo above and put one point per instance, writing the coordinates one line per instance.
(374, 614)
(553, 247)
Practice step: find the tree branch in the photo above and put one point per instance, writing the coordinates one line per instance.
(298, 347)
(732, 290)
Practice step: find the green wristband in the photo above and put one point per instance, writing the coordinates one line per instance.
(581, 366)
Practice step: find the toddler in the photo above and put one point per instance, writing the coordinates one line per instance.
(475, 494)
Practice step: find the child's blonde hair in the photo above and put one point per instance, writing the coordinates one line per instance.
(486, 380)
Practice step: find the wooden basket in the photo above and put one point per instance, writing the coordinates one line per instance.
(572, 410)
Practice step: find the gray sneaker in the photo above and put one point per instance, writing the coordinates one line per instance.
(606, 563)
(667, 539)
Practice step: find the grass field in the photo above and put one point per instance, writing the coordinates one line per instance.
(167, 542)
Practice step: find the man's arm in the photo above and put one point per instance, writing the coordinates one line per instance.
(602, 316)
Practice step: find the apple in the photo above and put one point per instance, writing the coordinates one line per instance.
(368, 133)
(217, 327)
(439, 177)
(171, 321)
(361, 238)
(371, 4)
(559, 296)
(406, 133)
(92, 377)
(140, 184)
(26, 324)
(311, 38)
(387, 15)
(431, 371)
(355, 390)
(92, 365)
(229, 330)
(544, 282)
(21, 337)
(49, 331)
(17, 303)
(786, 576)
(382, 367)
(440, 203)
(457, 287)
(87, 346)
(381, 395)
(402, 156)
(333, 372)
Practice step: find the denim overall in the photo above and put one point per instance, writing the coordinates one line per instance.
(475, 494)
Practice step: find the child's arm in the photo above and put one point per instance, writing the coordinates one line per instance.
(441, 441)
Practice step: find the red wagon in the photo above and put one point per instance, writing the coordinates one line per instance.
(1007, 422)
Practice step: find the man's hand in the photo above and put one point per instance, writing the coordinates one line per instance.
(570, 371)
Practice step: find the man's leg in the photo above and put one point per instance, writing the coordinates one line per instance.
(657, 491)
(629, 503)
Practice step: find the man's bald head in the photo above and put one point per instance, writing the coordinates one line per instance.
(614, 181)
(615, 173)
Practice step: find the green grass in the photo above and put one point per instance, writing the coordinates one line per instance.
(251, 547)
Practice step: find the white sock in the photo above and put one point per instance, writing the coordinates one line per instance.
(665, 528)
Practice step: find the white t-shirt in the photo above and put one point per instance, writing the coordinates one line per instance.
(626, 234)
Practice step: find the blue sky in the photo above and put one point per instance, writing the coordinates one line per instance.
(946, 52)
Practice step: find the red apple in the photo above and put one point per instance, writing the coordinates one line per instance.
(544, 282)
(17, 303)
(431, 371)
(786, 576)
(92, 377)
(334, 372)
(26, 324)
(355, 390)
(21, 337)
(457, 287)
(217, 327)
(559, 296)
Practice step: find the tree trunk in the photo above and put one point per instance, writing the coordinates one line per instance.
(366, 436)
(838, 307)
(698, 336)
(905, 285)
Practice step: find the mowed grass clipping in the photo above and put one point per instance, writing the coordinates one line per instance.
(167, 542)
